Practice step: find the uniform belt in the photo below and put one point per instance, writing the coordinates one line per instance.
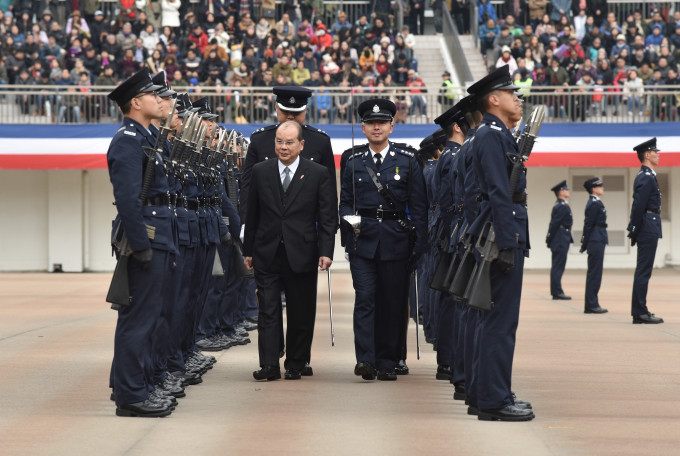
(565, 227)
(217, 201)
(603, 225)
(517, 197)
(654, 211)
(160, 200)
(192, 205)
(173, 199)
(181, 201)
(381, 214)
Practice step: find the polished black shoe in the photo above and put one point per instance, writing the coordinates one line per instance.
(365, 370)
(649, 319)
(387, 375)
(519, 402)
(307, 371)
(561, 297)
(401, 368)
(595, 310)
(430, 340)
(172, 389)
(267, 373)
(444, 372)
(507, 413)
(188, 378)
(472, 410)
(249, 325)
(459, 393)
(144, 409)
(292, 374)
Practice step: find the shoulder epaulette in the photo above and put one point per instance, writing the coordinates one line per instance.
(267, 128)
(314, 129)
(357, 154)
(405, 147)
(405, 152)
(359, 148)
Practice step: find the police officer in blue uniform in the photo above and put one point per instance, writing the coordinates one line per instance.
(559, 238)
(149, 230)
(385, 187)
(644, 228)
(594, 241)
(505, 208)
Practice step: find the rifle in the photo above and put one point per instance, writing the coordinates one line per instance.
(463, 270)
(441, 279)
(525, 144)
(478, 292)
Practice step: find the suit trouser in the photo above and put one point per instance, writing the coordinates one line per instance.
(497, 337)
(594, 276)
(559, 261)
(381, 293)
(130, 370)
(643, 271)
(300, 290)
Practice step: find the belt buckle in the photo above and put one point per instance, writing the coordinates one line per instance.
(379, 214)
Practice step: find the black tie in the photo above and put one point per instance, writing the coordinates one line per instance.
(378, 161)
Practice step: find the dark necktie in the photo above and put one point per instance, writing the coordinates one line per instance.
(286, 179)
(378, 160)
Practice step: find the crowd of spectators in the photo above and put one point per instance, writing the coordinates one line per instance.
(204, 44)
(617, 67)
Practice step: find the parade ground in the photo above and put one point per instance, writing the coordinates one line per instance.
(599, 385)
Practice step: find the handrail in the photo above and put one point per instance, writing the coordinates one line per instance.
(460, 63)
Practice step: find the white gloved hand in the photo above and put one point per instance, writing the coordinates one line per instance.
(346, 256)
(243, 230)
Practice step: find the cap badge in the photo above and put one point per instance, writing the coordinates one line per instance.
(292, 100)
(376, 108)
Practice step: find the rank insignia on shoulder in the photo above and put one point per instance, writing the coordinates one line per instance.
(131, 133)
(496, 128)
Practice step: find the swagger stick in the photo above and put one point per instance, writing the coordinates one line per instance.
(415, 285)
(330, 304)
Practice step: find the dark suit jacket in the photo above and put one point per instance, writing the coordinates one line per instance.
(305, 216)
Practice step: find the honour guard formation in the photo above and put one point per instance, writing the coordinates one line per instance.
(214, 233)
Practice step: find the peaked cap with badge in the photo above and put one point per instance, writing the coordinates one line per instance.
(377, 109)
(204, 110)
(591, 183)
(456, 113)
(648, 145)
(561, 186)
(498, 79)
(161, 79)
(292, 98)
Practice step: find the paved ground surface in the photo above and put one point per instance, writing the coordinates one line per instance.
(599, 385)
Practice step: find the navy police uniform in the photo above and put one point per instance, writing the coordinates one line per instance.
(644, 230)
(558, 240)
(506, 209)
(594, 241)
(392, 234)
(149, 228)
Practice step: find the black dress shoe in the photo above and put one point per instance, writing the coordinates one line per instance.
(430, 340)
(267, 373)
(649, 319)
(144, 409)
(507, 413)
(472, 410)
(387, 375)
(561, 297)
(307, 371)
(365, 370)
(459, 393)
(444, 372)
(188, 378)
(401, 368)
(292, 374)
(519, 402)
(595, 310)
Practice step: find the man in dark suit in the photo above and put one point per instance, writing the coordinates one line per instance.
(291, 226)
(559, 238)
(594, 241)
(644, 228)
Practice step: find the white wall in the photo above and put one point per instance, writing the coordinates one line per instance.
(64, 216)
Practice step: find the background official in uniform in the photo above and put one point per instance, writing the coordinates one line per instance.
(594, 241)
(559, 238)
(291, 227)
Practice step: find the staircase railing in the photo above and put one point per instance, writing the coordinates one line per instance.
(460, 63)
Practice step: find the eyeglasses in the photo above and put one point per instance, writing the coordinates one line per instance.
(287, 143)
(155, 95)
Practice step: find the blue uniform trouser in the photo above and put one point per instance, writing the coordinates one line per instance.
(473, 318)
(162, 334)
(135, 329)
(179, 327)
(497, 337)
(559, 261)
(643, 271)
(458, 363)
(229, 302)
(445, 317)
(381, 292)
(594, 276)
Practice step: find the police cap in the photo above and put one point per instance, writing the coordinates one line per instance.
(498, 79)
(592, 182)
(204, 111)
(455, 113)
(439, 138)
(161, 79)
(140, 82)
(377, 109)
(428, 149)
(183, 104)
(292, 98)
(650, 144)
(561, 186)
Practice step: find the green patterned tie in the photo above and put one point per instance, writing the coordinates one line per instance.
(286, 180)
